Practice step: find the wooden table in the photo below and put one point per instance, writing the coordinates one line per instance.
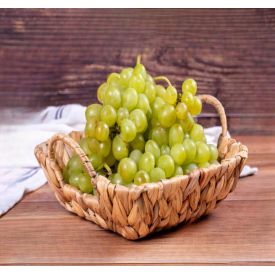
(240, 231)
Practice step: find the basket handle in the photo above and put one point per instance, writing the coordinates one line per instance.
(76, 148)
(223, 139)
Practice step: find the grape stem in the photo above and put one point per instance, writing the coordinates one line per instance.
(138, 59)
(107, 167)
(163, 78)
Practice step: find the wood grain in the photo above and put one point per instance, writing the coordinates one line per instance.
(52, 57)
(240, 231)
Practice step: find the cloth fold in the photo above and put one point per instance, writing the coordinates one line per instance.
(20, 172)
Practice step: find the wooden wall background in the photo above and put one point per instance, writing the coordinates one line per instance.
(51, 57)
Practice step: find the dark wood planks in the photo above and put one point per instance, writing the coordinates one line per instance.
(51, 57)
(240, 231)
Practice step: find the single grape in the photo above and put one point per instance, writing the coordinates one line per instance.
(150, 91)
(74, 179)
(119, 148)
(166, 163)
(188, 99)
(189, 85)
(137, 82)
(190, 149)
(138, 143)
(150, 79)
(146, 162)
(117, 179)
(188, 168)
(196, 108)
(93, 144)
(203, 152)
(140, 120)
(204, 165)
(93, 111)
(101, 92)
(122, 113)
(160, 91)
(157, 174)
(112, 97)
(197, 132)
(90, 127)
(143, 103)
(160, 135)
(135, 155)
(75, 164)
(164, 150)
(127, 169)
(170, 95)
(128, 130)
(152, 147)
(167, 115)
(154, 121)
(178, 170)
(140, 70)
(108, 115)
(181, 110)
(157, 104)
(187, 123)
(110, 159)
(104, 148)
(141, 177)
(175, 135)
(125, 76)
(102, 131)
(84, 146)
(129, 98)
(84, 183)
(96, 160)
(178, 153)
(213, 152)
(114, 80)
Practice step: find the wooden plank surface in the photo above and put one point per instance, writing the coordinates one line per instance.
(59, 56)
(240, 231)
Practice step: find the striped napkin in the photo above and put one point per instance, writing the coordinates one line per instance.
(21, 174)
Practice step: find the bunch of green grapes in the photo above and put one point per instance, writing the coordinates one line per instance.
(141, 131)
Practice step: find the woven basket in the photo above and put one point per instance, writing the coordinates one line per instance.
(137, 211)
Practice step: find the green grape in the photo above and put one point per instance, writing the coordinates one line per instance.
(114, 80)
(160, 135)
(84, 183)
(213, 152)
(108, 115)
(112, 97)
(105, 148)
(171, 95)
(157, 174)
(140, 70)
(138, 143)
(84, 146)
(75, 165)
(128, 130)
(175, 135)
(188, 99)
(188, 168)
(154, 121)
(74, 179)
(119, 148)
(102, 131)
(197, 132)
(204, 165)
(166, 163)
(178, 153)
(129, 98)
(93, 111)
(187, 123)
(140, 120)
(146, 162)
(137, 82)
(117, 179)
(150, 91)
(164, 150)
(66, 174)
(125, 76)
(150, 79)
(141, 177)
(93, 144)
(178, 170)
(96, 160)
(167, 115)
(152, 147)
(189, 85)
(161, 91)
(110, 159)
(143, 103)
(181, 110)
(157, 104)
(101, 91)
(149, 114)
(203, 152)
(122, 113)
(135, 155)
(90, 127)
(190, 149)
(196, 108)
(127, 169)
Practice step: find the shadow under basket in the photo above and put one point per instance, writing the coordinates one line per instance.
(137, 211)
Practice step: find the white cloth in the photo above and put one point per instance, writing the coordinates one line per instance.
(19, 170)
